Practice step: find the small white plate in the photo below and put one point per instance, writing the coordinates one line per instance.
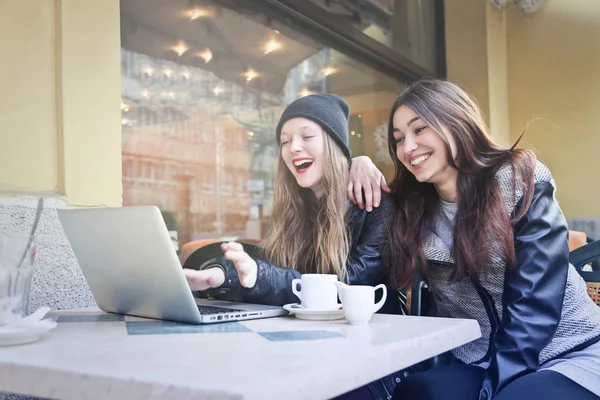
(315, 315)
(26, 333)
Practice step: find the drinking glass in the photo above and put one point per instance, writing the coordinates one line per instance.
(17, 254)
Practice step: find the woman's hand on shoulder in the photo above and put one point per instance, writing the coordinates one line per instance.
(244, 264)
(365, 176)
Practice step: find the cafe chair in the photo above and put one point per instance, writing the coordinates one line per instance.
(579, 239)
(190, 247)
(211, 253)
(584, 255)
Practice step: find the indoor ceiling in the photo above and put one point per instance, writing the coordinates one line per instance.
(235, 46)
(244, 47)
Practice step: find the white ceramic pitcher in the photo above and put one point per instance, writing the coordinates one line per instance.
(358, 302)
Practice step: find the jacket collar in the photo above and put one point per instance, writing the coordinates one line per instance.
(434, 248)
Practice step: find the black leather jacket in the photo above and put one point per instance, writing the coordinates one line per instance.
(528, 314)
(534, 297)
(533, 292)
(274, 283)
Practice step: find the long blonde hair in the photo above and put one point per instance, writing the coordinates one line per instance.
(306, 233)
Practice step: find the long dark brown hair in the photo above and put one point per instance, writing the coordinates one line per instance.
(482, 220)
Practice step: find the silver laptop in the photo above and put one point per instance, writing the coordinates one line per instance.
(132, 268)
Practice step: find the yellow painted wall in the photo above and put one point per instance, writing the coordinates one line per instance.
(60, 100)
(28, 131)
(497, 61)
(476, 54)
(545, 64)
(554, 73)
(466, 47)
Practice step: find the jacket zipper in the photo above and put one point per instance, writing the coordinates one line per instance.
(492, 315)
(489, 305)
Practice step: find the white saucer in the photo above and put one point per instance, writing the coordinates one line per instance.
(315, 315)
(26, 333)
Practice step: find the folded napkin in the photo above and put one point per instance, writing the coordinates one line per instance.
(32, 322)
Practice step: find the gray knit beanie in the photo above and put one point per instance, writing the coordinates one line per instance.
(328, 110)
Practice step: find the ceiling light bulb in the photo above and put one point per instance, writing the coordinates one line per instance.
(206, 55)
(272, 46)
(195, 14)
(328, 71)
(250, 75)
(180, 48)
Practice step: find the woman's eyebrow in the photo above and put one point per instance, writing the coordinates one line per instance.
(408, 124)
(413, 120)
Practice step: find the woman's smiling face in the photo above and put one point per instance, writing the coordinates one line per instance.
(421, 149)
(303, 151)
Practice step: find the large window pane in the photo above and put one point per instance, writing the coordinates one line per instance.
(203, 89)
(406, 26)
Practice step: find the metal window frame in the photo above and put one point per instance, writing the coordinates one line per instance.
(309, 19)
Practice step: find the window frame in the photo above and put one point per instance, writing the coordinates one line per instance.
(309, 19)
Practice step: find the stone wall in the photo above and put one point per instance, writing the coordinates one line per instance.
(57, 279)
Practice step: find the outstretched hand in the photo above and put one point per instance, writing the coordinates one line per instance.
(365, 176)
(244, 264)
(205, 279)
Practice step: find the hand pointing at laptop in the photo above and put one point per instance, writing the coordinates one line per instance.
(204, 279)
(214, 277)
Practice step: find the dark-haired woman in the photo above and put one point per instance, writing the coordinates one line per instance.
(482, 226)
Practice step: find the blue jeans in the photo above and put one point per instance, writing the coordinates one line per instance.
(462, 382)
(381, 389)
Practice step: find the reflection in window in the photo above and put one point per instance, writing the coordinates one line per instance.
(202, 90)
(406, 26)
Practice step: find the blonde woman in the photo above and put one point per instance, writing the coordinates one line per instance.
(314, 228)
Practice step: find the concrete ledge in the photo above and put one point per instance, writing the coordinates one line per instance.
(57, 279)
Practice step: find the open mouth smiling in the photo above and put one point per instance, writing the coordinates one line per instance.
(419, 160)
(302, 164)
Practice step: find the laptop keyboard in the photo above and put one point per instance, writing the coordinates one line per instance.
(207, 310)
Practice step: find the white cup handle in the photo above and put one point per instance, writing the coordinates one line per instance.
(379, 304)
(295, 283)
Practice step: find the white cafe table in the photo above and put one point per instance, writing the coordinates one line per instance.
(93, 355)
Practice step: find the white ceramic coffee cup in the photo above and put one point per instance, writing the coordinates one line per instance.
(317, 291)
(359, 303)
